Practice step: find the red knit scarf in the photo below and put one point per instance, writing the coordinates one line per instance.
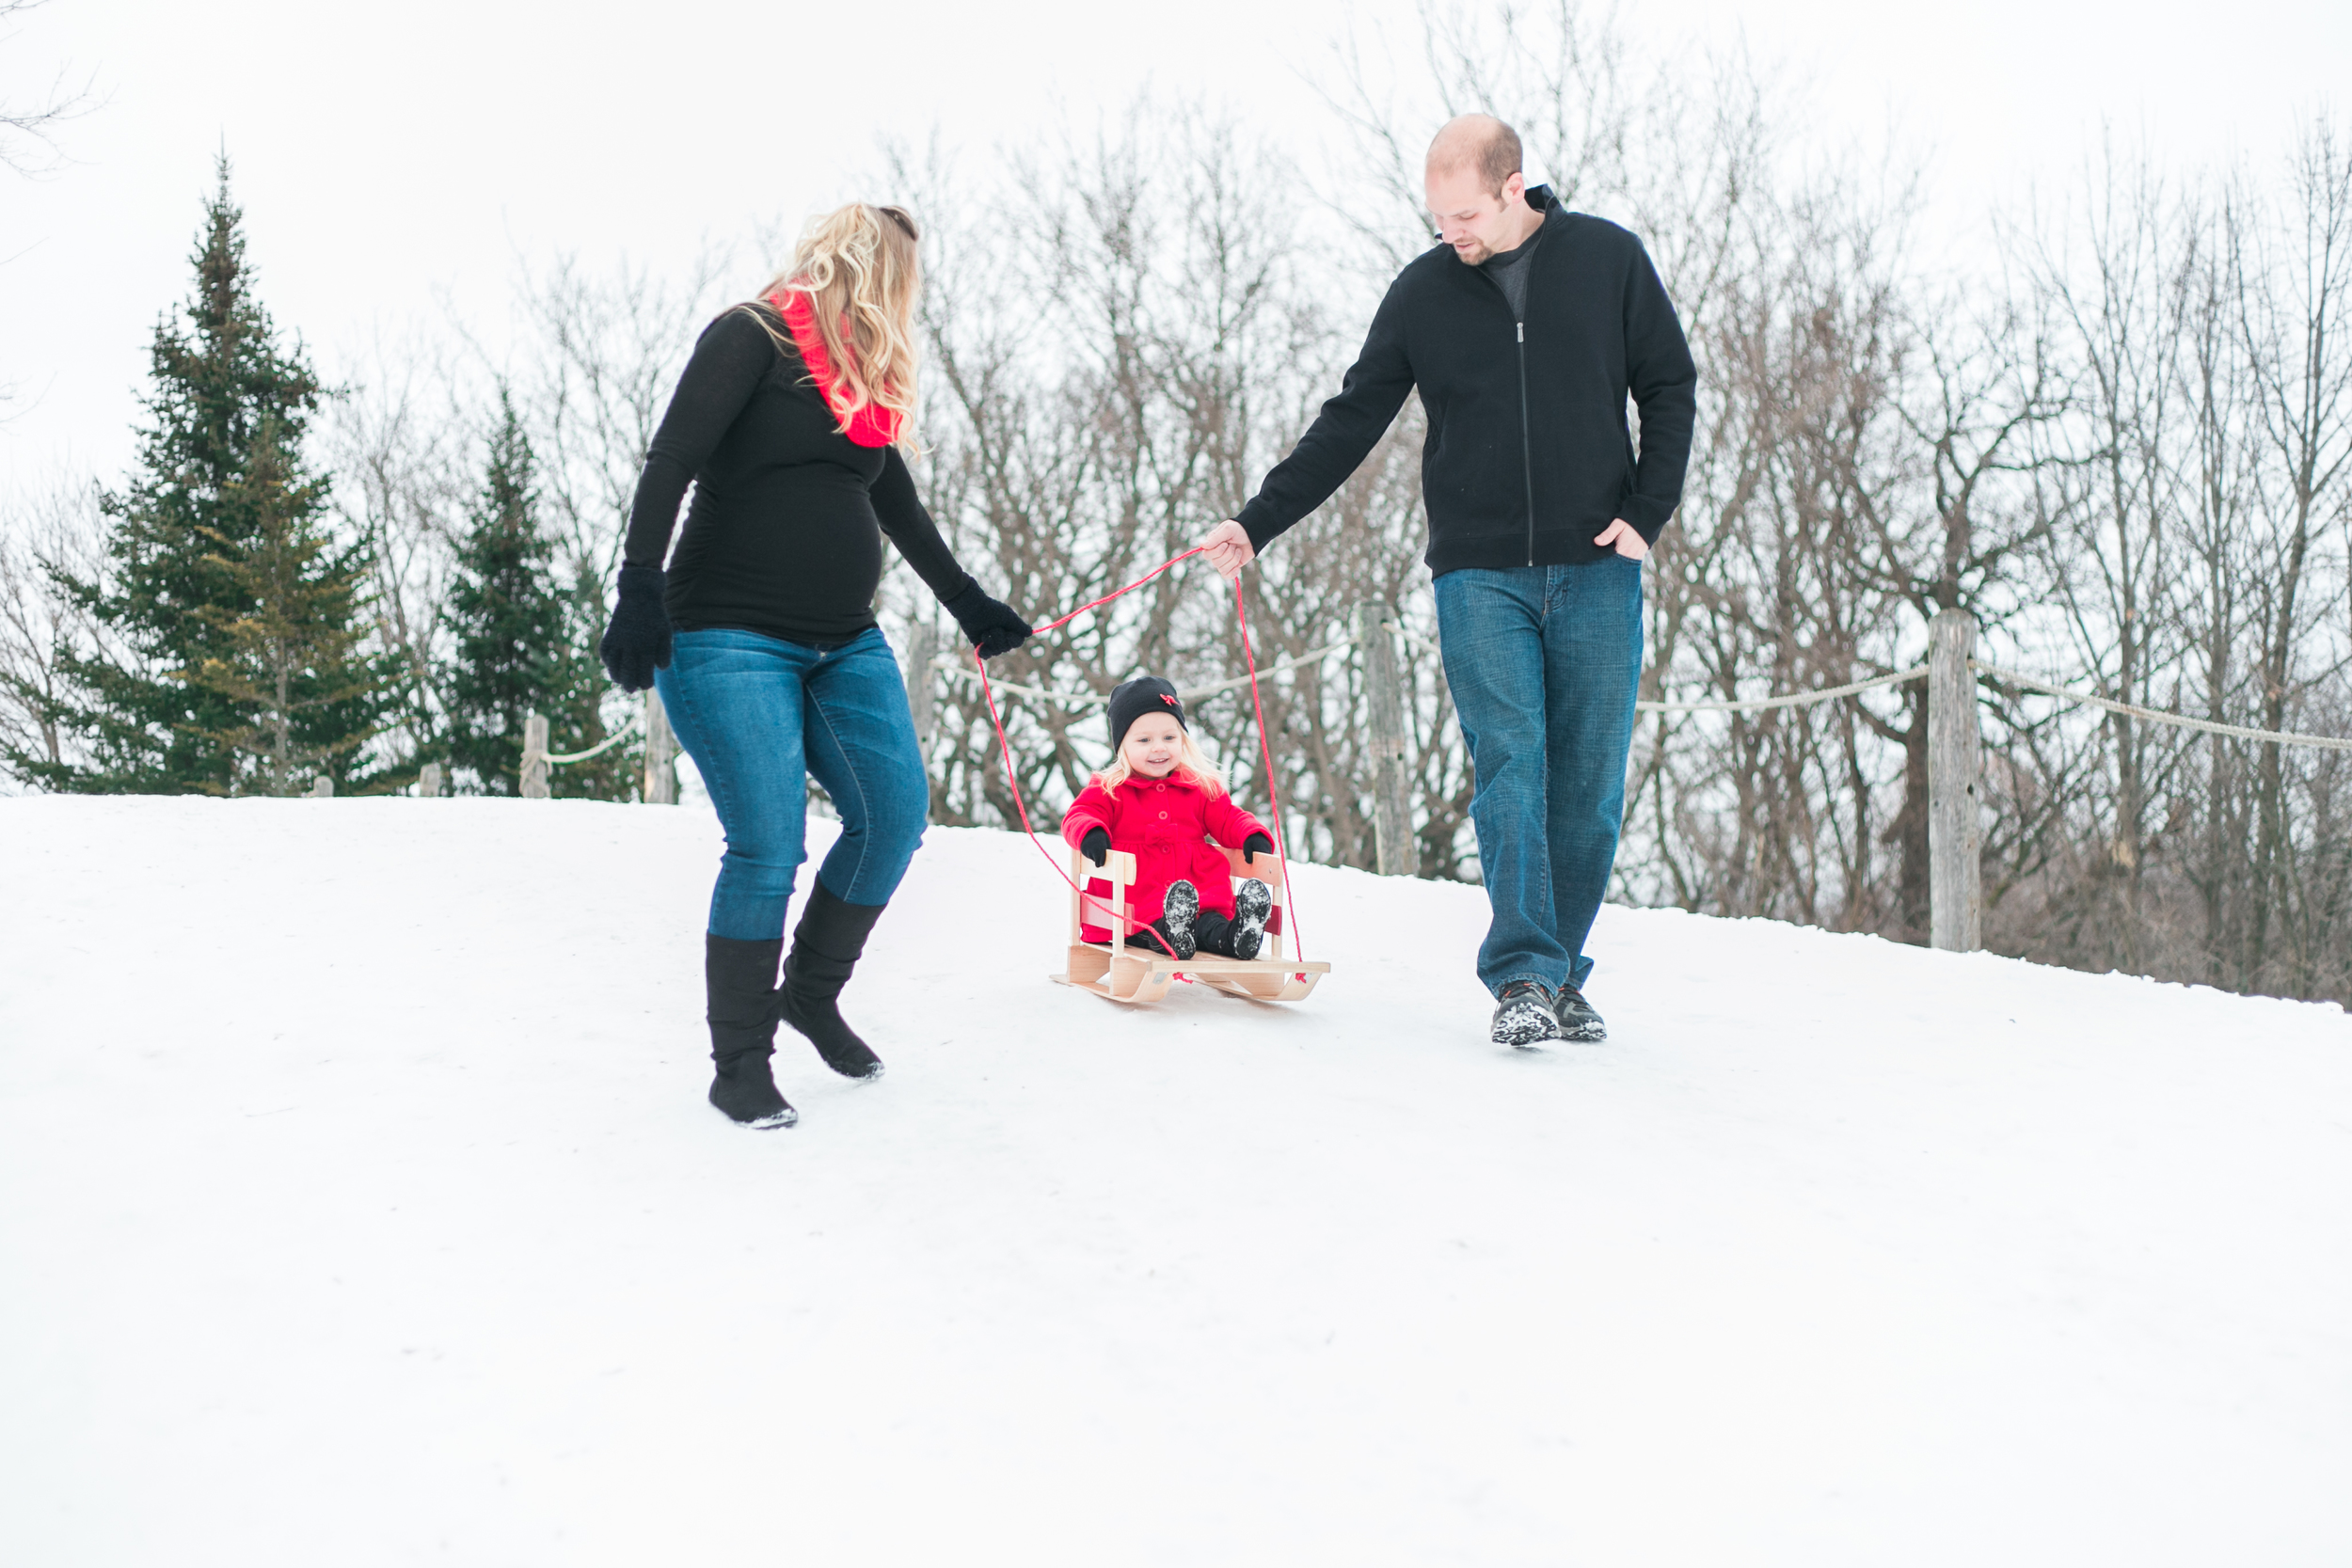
(870, 426)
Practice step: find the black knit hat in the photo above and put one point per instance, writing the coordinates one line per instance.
(1131, 699)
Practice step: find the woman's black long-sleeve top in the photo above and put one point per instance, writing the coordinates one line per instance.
(785, 536)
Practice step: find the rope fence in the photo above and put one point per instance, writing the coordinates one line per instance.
(947, 664)
(635, 721)
(1954, 740)
(1955, 789)
(1795, 699)
(2236, 732)
(650, 720)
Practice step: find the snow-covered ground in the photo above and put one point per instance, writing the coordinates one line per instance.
(358, 1205)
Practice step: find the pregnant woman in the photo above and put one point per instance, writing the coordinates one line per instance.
(789, 420)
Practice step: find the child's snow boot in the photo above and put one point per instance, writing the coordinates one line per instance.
(1253, 901)
(1242, 936)
(738, 977)
(1179, 909)
(1179, 912)
(826, 946)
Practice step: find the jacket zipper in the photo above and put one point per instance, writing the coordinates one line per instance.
(1527, 446)
(1527, 440)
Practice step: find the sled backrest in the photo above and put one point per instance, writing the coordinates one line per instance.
(1105, 884)
(1108, 885)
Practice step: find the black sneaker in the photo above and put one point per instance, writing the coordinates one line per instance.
(1178, 910)
(1253, 901)
(1578, 1021)
(1523, 1017)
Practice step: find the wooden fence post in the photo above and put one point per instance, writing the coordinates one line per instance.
(429, 781)
(534, 785)
(661, 754)
(922, 680)
(1391, 817)
(922, 647)
(1955, 788)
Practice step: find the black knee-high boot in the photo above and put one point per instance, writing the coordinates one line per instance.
(740, 978)
(826, 946)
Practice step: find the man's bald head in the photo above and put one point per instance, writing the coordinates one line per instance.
(1476, 192)
(1480, 144)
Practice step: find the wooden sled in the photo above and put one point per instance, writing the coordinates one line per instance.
(1137, 974)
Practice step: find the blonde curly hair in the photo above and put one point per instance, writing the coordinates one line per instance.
(860, 265)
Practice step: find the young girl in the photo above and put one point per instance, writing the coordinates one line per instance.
(1160, 800)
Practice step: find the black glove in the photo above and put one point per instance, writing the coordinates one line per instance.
(1254, 846)
(993, 627)
(637, 643)
(1096, 847)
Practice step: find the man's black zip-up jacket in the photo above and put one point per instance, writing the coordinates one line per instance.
(1528, 455)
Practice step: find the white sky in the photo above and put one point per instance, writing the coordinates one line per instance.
(384, 153)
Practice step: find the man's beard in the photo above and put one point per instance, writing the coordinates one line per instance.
(1475, 256)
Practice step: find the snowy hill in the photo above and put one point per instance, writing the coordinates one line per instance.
(359, 1206)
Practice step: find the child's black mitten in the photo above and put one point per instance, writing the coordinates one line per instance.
(1096, 847)
(1254, 846)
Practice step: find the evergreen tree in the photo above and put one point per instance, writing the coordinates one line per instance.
(293, 659)
(521, 640)
(218, 473)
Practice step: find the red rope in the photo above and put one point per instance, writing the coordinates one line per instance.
(1114, 594)
(990, 692)
(1274, 798)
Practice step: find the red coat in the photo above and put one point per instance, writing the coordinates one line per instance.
(1166, 824)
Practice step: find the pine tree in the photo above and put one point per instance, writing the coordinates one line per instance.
(293, 658)
(226, 405)
(522, 642)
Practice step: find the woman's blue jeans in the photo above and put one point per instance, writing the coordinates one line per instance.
(760, 717)
(1544, 662)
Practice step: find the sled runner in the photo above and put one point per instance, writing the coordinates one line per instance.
(1140, 974)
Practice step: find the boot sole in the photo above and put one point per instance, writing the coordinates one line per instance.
(1527, 1036)
(1180, 932)
(783, 1115)
(769, 1123)
(1252, 906)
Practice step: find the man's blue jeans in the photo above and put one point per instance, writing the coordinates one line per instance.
(1544, 662)
(761, 716)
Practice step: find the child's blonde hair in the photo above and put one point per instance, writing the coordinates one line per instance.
(1190, 761)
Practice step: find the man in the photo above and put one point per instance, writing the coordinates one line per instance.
(1525, 330)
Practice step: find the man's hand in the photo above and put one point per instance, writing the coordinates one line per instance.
(1620, 533)
(1229, 550)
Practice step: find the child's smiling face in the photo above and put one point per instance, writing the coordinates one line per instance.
(1154, 745)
